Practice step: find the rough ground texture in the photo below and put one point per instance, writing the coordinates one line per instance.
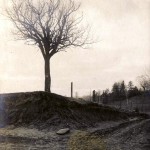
(121, 136)
(45, 110)
(133, 137)
(31, 120)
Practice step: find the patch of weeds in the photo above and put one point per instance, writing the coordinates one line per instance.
(82, 140)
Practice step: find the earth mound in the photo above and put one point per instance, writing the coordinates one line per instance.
(49, 110)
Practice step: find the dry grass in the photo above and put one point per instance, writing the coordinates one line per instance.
(82, 140)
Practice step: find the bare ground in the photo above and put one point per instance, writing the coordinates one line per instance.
(133, 135)
(30, 122)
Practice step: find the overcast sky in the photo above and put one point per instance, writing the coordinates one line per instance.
(122, 28)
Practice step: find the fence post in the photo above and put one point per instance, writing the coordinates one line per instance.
(94, 96)
(71, 89)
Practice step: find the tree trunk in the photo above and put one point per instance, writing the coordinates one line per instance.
(47, 75)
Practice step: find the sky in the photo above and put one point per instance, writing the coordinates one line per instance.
(122, 51)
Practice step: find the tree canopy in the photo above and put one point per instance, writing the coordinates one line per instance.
(53, 25)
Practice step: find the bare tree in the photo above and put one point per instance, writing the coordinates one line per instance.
(53, 25)
(144, 81)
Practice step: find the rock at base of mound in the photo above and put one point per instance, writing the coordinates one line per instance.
(63, 131)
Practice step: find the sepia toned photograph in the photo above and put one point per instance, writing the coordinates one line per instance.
(74, 74)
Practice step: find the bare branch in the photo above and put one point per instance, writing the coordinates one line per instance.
(52, 24)
(144, 81)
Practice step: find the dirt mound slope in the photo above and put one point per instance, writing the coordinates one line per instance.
(47, 110)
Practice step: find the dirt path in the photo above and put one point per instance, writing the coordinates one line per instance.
(108, 136)
(133, 137)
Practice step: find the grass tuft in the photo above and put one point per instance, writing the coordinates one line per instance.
(82, 140)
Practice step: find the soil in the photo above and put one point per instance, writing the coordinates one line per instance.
(31, 120)
(121, 136)
(47, 110)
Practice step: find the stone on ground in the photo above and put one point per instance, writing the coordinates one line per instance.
(63, 131)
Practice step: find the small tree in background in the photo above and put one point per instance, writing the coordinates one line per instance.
(105, 96)
(130, 85)
(122, 90)
(116, 91)
(132, 90)
(52, 25)
(144, 81)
